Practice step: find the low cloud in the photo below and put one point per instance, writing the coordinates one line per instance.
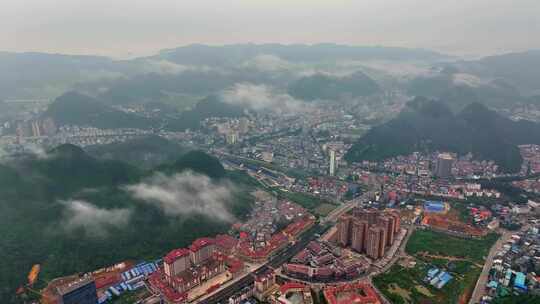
(186, 193)
(267, 63)
(95, 221)
(100, 75)
(468, 80)
(36, 150)
(166, 67)
(262, 97)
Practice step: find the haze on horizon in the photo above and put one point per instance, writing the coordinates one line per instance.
(128, 28)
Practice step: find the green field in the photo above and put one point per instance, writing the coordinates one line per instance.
(324, 209)
(442, 244)
(466, 257)
(310, 202)
(405, 285)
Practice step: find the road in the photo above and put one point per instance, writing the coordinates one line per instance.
(223, 295)
(480, 288)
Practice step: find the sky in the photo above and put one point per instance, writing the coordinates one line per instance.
(128, 28)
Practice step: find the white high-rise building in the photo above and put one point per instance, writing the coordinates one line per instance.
(332, 163)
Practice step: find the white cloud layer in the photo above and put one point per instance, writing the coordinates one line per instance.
(262, 98)
(166, 67)
(268, 63)
(468, 80)
(95, 221)
(186, 193)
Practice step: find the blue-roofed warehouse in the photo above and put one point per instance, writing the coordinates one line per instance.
(434, 206)
(519, 282)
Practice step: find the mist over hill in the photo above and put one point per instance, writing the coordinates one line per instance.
(73, 213)
(520, 70)
(236, 53)
(145, 152)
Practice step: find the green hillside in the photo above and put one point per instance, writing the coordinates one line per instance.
(37, 196)
(427, 125)
(76, 109)
(206, 108)
(326, 87)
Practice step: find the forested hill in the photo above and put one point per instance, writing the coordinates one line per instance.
(73, 108)
(73, 213)
(327, 87)
(427, 125)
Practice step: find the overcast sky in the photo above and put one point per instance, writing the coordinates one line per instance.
(122, 28)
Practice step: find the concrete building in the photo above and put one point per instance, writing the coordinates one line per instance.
(443, 168)
(82, 291)
(368, 231)
(184, 269)
(333, 164)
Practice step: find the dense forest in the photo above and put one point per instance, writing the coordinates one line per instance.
(71, 213)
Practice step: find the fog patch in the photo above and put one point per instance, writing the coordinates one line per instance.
(267, 63)
(165, 67)
(186, 193)
(468, 80)
(262, 98)
(93, 220)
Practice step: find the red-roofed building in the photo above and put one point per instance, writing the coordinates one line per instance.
(107, 279)
(247, 251)
(298, 270)
(294, 293)
(299, 226)
(171, 296)
(184, 269)
(355, 293)
(225, 243)
(201, 250)
(264, 283)
(175, 262)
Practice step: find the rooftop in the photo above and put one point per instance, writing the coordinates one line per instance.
(172, 256)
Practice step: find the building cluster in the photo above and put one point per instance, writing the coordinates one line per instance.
(323, 261)
(395, 189)
(266, 289)
(185, 269)
(260, 249)
(442, 165)
(321, 186)
(352, 293)
(36, 128)
(71, 291)
(368, 231)
(272, 224)
(516, 266)
(529, 185)
(100, 285)
(437, 277)
(531, 159)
